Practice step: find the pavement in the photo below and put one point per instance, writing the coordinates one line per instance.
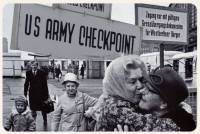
(13, 87)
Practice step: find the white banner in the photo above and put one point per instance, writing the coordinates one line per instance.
(162, 24)
(65, 34)
(95, 9)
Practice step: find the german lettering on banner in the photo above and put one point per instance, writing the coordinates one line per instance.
(162, 24)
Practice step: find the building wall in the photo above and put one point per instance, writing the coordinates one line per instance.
(192, 27)
(12, 63)
(95, 69)
(5, 45)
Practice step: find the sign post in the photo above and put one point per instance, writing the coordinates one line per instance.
(162, 55)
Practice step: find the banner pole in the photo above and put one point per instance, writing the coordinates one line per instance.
(161, 55)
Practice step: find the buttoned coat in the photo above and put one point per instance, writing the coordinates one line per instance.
(36, 86)
(68, 116)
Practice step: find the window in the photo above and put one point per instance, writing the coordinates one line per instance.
(64, 65)
(188, 68)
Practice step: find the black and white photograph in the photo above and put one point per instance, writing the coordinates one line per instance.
(99, 67)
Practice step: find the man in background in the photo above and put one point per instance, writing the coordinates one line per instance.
(36, 87)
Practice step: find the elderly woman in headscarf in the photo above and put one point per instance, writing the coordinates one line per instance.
(118, 104)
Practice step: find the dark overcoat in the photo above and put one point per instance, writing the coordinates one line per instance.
(82, 71)
(37, 87)
(182, 118)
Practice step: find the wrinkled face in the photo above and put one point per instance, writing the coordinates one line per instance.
(134, 83)
(34, 66)
(71, 88)
(20, 106)
(151, 100)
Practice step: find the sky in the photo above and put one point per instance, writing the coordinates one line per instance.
(120, 12)
(7, 21)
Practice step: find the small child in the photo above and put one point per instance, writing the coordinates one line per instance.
(20, 119)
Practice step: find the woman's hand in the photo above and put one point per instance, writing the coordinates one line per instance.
(120, 129)
(89, 112)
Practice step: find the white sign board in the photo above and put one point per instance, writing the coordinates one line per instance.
(95, 9)
(65, 34)
(162, 24)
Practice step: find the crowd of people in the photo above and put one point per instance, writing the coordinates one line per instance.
(54, 70)
(132, 100)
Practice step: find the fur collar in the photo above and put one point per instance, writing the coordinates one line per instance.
(15, 112)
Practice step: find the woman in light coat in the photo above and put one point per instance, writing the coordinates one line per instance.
(69, 114)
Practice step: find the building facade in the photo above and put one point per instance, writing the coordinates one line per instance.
(5, 45)
(192, 28)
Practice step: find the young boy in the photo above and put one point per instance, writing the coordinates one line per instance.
(20, 119)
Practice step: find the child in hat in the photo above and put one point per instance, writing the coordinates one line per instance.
(20, 119)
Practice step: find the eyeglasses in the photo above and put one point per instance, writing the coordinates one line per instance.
(149, 88)
(156, 77)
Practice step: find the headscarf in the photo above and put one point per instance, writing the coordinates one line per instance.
(115, 76)
(114, 81)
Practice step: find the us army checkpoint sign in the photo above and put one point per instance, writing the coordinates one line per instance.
(67, 34)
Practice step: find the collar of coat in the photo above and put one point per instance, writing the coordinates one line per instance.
(15, 112)
(79, 96)
(34, 71)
